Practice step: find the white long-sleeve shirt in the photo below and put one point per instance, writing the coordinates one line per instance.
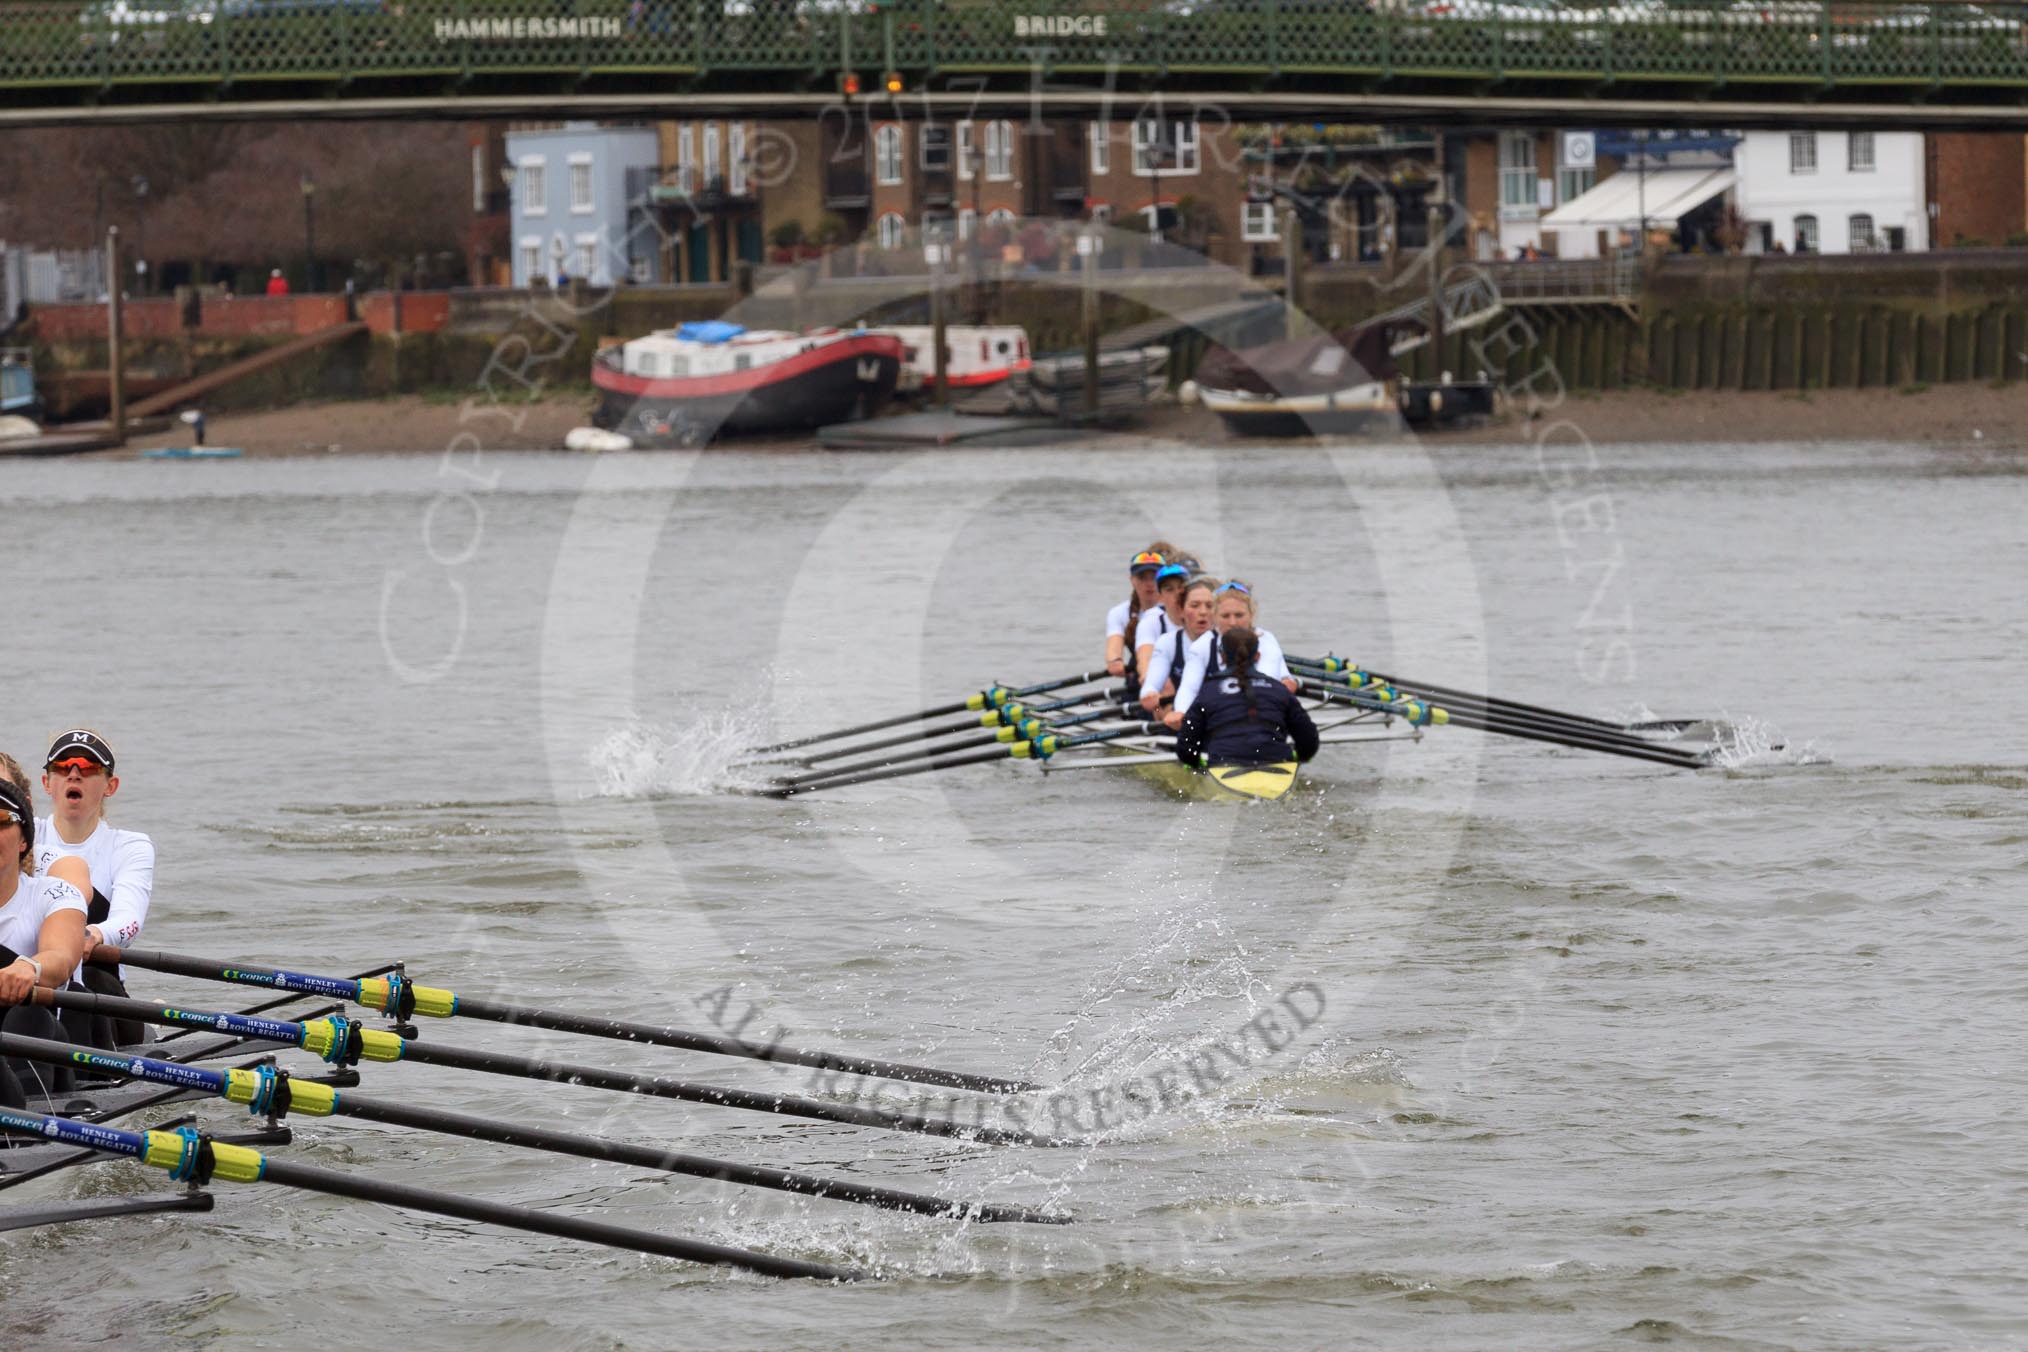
(1154, 623)
(1269, 663)
(122, 865)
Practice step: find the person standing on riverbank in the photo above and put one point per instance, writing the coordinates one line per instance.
(278, 285)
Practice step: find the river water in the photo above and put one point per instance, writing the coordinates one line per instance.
(1471, 1043)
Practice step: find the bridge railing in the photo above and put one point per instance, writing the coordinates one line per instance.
(81, 43)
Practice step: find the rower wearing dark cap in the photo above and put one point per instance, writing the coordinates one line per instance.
(1244, 717)
(1123, 618)
(77, 774)
(42, 920)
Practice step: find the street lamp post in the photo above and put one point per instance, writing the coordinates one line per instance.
(310, 279)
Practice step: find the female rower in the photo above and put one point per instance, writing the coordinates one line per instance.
(1244, 717)
(1234, 610)
(1170, 580)
(42, 923)
(1171, 656)
(1122, 618)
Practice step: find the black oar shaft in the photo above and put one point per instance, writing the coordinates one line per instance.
(577, 1228)
(941, 711)
(593, 1025)
(625, 1030)
(959, 728)
(659, 1086)
(1449, 695)
(916, 767)
(1681, 760)
(530, 1137)
(535, 1068)
(911, 755)
(677, 1162)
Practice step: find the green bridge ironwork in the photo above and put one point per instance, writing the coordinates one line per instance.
(1755, 60)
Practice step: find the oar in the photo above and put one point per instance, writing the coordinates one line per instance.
(1026, 729)
(1681, 760)
(289, 999)
(401, 998)
(984, 699)
(1367, 682)
(1038, 748)
(344, 1041)
(262, 1090)
(1007, 716)
(189, 1156)
(1457, 698)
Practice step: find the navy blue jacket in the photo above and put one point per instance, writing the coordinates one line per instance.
(1218, 730)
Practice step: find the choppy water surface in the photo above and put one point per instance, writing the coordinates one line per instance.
(1607, 1053)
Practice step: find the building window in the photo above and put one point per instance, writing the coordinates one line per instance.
(1806, 234)
(1162, 147)
(999, 218)
(1257, 221)
(1802, 152)
(968, 221)
(531, 260)
(1518, 193)
(581, 184)
(1859, 152)
(892, 228)
(735, 137)
(587, 260)
(478, 178)
(686, 159)
(1573, 183)
(714, 166)
(534, 192)
(887, 154)
(1860, 234)
(965, 150)
(1100, 136)
(933, 148)
(1000, 151)
(1101, 213)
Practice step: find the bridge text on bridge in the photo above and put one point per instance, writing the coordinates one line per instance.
(1059, 25)
(500, 28)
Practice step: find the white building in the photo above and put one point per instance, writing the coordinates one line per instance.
(1832, 192)
(571, 211)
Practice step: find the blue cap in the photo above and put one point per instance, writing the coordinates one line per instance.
(1170, 570)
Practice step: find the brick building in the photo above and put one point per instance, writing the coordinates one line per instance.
(1977, 186)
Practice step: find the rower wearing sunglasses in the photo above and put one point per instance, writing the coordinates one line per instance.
(77, 774)
(1123, 618)
(42, 922)
(1233, 609)
(1167, 664)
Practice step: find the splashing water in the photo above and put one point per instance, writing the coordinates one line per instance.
(1750, 743)
(699, 755)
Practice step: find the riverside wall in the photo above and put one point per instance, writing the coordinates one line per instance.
(1766, 323)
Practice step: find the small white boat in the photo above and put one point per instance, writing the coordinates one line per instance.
(978, 356)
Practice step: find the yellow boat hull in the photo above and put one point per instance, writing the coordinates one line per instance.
(1226, 783)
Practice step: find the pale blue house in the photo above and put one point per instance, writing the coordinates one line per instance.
(579, 204)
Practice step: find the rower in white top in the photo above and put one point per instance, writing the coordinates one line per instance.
(1234, 609)
(1167, 664)
(1125, 617)
(1170, 580)
(78, 776)
(41, 939)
